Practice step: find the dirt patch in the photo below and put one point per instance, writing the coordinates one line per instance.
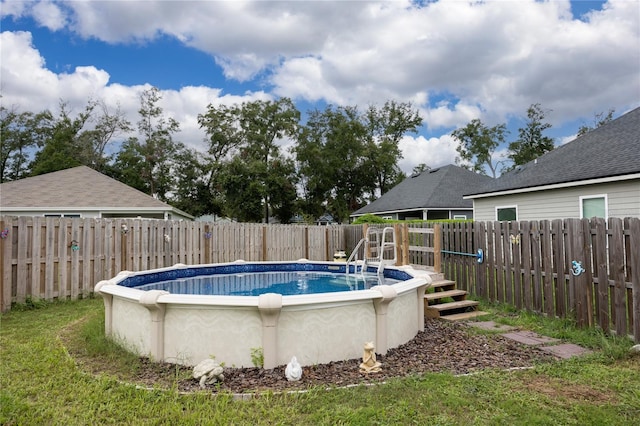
(561, 389)
(442, 347)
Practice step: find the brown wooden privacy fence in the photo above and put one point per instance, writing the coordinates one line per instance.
(49, 258)
(586, 269)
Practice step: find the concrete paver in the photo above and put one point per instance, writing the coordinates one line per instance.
(547, 344)
(566, 350)
(529, 338)
(491, 326)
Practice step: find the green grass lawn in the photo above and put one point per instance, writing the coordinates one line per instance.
(41, 384)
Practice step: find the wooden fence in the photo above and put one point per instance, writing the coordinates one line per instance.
(585, 269)
(56, 258)
(526, 264)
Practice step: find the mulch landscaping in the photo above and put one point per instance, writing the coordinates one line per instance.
(442, 347)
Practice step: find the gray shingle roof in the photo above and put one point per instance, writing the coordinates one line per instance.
(610, 150)
(437, 188)
(79, 187)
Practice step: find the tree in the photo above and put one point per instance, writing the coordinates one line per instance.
(92, 143)
(531, 143)
(422, 167)
(263, 123)
(599, 119)
(192, 193)
(385, 128)
(477, 144)
(249, 133)
(331, 157)
(61, 147)
(148, 163)
(244, 192)
(20, 134)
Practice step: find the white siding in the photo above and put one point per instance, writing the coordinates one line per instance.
(623, 199)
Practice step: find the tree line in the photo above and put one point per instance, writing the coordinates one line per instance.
(340, 159)
(477, 142)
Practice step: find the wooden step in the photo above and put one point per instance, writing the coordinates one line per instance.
(464, 315)
(441, 309)
(461, 304)
(454, 294)
(443, 285)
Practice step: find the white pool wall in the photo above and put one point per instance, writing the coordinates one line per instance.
(316, 328)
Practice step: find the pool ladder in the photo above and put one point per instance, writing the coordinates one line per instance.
(379, 249)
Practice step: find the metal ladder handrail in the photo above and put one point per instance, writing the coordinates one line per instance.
(354, 253)
(382, 245)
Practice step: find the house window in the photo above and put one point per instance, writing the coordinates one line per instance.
(507, 213)
(594, 206)
(459, 217)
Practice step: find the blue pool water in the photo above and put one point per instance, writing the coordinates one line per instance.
(286, 283)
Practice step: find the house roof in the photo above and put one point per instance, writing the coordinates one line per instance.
(79, 187)
(611, 150)
(439, 188)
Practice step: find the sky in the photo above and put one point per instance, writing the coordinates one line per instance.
(453, 60)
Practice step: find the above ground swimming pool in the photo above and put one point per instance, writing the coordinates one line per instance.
(312, 310)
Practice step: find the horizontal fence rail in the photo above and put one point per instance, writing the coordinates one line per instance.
(55, 258)
(585, 269)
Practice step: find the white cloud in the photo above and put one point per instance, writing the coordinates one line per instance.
(455, 60)
(29, 86)
(434, 152)
(49, 15)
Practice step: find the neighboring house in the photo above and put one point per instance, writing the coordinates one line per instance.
(325, 219)
(431, 195)
(597, 174)
(81, 192)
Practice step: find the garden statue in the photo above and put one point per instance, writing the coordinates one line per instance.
(369, 363)
(293, 372)
(208, 371)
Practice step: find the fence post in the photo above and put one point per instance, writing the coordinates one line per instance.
(264, 243)
(326, 245)
(634, 228)
(397, 231)
(3, 284)
(367, 253)
(481, 269)
(123, 248)
(437, 248)
(207, 243)
(405, 244)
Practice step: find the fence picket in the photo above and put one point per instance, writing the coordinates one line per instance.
(537, 267)
(49, 258)
(634, 274)
(74, 259)
(517, 264)
(616, 267)
(500, 254)
(525, 242)
(557, 234)
(508, 267)
(547, 266)
(35, 255)
(491, 264)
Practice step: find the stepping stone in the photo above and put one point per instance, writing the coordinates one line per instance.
(566, 350)
(490, 326)
(529, 338)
